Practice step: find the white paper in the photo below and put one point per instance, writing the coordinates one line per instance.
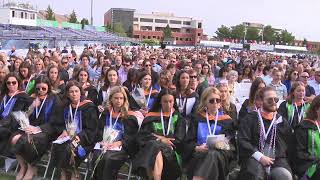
(62, 140)
(97, 146)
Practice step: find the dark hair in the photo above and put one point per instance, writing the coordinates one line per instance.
(4, 89)
(43, 79)
(250, 75)
(106, 80)
(68, 86)
(264, 90)
(132, 75)
(178, 85)
(26, 65)
(142, 75)
(57, 82)
(170, 66)
(81, 70)
(157, 103)
(254, 89)
(85, 55)
(289, 74)
(222, 70)
(313, 108)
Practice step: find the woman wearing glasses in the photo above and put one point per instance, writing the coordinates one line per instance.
(12, 99)
(160, 140)
(78, 138)
(46, 118)
(186, 98)
(293, 76)
(147, 67)
(209, 158)
(294, 108)
(89, 90)
(123, 122)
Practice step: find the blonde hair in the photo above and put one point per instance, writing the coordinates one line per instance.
(125, 106)
(204, 97)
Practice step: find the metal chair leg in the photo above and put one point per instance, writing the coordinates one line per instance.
(53, 172)
(130, 170)
(48, 164)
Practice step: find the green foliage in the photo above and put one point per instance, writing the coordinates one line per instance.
(269, 34)
(252, 34)
(73, 17)
(84, 22)
(50, 14)
(223, 32)
(238, 31)
(286, 37)
(150, 42)
(118, 28)
(167, 32)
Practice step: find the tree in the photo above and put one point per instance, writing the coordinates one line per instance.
(84, 22)
(50, 14)
(223, 32)
(118, 28)
(73, 17)
(167, 34)
(252, 33)
(286, 37)
(108, 27)
(150, 42)
(238, 31)
(269, 34)
(305, 42)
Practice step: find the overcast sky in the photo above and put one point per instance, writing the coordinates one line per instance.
(301, 17)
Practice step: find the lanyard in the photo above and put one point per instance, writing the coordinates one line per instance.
(265, 135)
(73, 116)
(318, 126)
(181, 105)
(215, 123)
(169, 124)
(110, 120)
(28, 83)
(301, 114)
(5, 98)
(149, 96)
(39, 110)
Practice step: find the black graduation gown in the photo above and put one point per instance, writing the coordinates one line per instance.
(50, 121)
(190, 105)
(112, 161)
(149, 147)
(304, 159)
(88, 120)
(214, 164)
(248, 140)
(283, 110)
(244, 110)
(92, 94)
(8, 125)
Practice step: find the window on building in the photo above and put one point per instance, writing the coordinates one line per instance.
(135, 19)
(199, 34)
(186, 22)
(136, 36)
(159, 28)
(181, 39)
(13, 14)
(175, 22)
(154, 37)
(21, 15)
(200, 25)
(149, 37)
(143, 37)
(188, 31)
(25, 15)
(161, 21)
(177, 38)
(33, 16)
(146, 20)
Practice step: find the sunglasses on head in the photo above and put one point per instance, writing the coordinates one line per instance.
(11, 82)
(272, 100)
(214, 100)
(41, 88)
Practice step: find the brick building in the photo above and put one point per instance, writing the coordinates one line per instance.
(185, 30)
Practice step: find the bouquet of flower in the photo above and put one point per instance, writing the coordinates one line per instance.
(23, 120)
(71, 127)
(109, 136)
(218, 142)
(138, 96)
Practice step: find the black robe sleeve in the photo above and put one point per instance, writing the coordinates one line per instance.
(89, 125)
(191, 139)
(283, 111)
(93, 95)
(243, 110)
(246, 135)
(130, 132)
(56, 123)
(100, 97)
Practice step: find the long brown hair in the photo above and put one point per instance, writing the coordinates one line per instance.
(294, 86)
(125, 106)
(313, 108)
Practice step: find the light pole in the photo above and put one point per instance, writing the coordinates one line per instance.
(91, 12)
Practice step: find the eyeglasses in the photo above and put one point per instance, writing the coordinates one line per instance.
(147, 65)
(69, 57)
(152, 58)
(272, 100)
(126, 65)
(41, 88)
(295, 74)
(11, 82)
(193, 77)
(214, 100)
(64, 62)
